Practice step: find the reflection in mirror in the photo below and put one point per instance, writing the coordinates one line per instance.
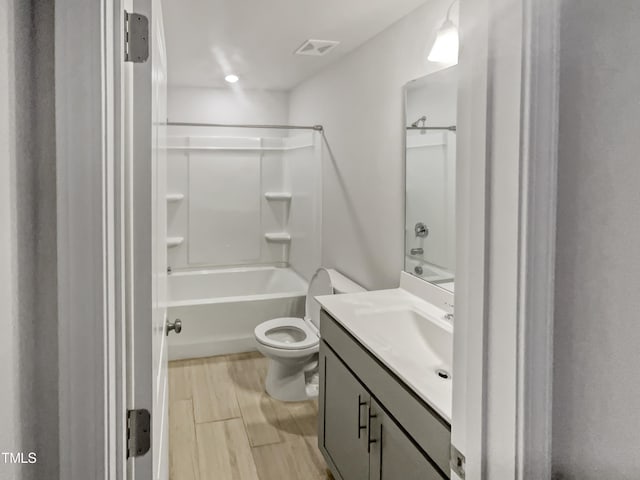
(430, 159)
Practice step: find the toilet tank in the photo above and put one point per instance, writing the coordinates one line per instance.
(319, 285)
(342, 284)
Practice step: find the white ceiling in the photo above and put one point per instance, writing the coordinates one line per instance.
(207, 39)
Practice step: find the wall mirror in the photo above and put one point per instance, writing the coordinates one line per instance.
(430, 166)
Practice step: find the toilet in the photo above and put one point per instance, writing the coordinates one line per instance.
(292, 344)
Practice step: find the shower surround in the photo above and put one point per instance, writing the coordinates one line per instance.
(244, 232)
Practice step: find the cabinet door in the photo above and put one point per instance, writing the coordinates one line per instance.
(344, 405)
(393, 455)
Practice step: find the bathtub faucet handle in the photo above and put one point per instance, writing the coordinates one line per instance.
(175, 326)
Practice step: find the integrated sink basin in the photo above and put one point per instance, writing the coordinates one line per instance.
(409, 335)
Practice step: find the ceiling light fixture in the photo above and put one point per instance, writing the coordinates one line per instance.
(231, 78)
(445, 48)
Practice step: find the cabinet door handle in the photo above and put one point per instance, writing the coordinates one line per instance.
(369, 439)
(381, 445)
(360, 405)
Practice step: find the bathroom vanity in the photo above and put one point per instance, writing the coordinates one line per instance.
(385, 395)
(386, 356)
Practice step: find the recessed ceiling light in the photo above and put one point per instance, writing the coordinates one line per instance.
(232, 78)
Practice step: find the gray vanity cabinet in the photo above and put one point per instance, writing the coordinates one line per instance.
(393, 455)
(370, 426)
(345, 419)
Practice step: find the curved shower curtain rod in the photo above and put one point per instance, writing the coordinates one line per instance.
(318, 128)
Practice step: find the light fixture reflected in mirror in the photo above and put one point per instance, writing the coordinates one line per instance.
(445, 48)
(231, 78)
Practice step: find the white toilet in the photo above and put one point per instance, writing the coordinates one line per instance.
(292, 344)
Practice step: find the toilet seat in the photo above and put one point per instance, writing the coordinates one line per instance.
(293, 333)
(283, 332)
(292, 343)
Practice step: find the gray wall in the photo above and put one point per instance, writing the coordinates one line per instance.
(27, 142)
(596, 425)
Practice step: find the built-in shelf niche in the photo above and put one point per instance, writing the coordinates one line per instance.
(280, 237)
(278, 196)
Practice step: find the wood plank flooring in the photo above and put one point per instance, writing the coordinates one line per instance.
(224, 426)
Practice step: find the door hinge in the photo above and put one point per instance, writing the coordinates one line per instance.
(136, 37)
(457, 462)
(138, 432)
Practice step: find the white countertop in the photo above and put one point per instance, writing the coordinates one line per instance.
(409, 335)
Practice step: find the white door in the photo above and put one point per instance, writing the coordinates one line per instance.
(145, 179)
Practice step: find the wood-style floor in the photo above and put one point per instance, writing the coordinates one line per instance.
(223, 425)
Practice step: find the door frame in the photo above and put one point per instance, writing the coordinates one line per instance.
(91, 324)
(507, 168)
(538, 184)
(91, 331)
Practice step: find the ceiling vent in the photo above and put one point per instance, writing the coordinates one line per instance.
(316, 48)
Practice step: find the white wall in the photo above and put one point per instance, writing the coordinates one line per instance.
(596, 424)
(227, 105)
(359, 100)
(28, 345)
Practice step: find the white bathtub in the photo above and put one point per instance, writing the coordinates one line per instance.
(219, 309)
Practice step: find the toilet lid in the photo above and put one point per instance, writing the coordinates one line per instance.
(287, 333)
(320, 284)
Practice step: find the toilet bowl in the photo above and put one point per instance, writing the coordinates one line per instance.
(292, 343)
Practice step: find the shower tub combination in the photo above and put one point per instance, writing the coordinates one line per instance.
(219, 309)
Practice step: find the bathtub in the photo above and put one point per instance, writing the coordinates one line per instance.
(219, 309)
